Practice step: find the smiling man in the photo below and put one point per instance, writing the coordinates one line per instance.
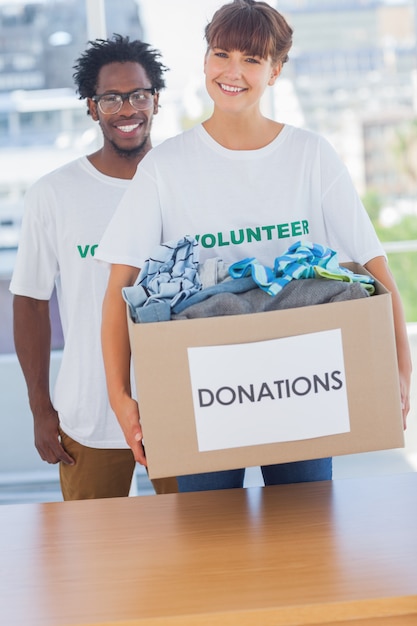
(66, 213)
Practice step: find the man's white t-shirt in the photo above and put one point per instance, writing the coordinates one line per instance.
(66, 214)
(240, 203)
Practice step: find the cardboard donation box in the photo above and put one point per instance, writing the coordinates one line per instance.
(245, 390)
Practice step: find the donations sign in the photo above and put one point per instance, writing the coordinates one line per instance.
(271, 391)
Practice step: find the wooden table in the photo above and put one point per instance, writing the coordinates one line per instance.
(342, 552)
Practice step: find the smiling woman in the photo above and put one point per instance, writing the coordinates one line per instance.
(243, 172)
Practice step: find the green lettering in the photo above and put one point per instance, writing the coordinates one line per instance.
(253, 234)
(283, 231)
(221, 242)
(296, 229)
(240, 236)
(208, 241)
(269, 230)
(234, 239)
(83, 252)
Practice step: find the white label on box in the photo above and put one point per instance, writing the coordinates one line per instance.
(270, 391)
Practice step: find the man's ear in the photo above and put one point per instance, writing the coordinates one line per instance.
(156, 103)
(92, 108)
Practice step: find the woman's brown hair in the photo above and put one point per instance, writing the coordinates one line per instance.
(255, 28)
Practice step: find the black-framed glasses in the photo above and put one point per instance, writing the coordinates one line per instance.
(139, 99)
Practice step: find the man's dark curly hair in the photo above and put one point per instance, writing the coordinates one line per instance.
(117, 49)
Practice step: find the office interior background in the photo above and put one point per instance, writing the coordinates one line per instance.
(352, 76)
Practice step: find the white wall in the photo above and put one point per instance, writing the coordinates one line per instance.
(17, 450)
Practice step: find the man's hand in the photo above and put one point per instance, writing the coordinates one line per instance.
(32, 337)
(47, 439)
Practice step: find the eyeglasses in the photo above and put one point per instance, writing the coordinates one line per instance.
(139, 99)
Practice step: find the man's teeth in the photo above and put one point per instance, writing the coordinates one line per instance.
(128, 129)
(231, 88)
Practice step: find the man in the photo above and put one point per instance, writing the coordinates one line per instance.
(66, 213)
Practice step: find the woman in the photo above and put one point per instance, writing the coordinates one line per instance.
(237, 173)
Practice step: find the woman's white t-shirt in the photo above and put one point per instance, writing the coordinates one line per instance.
(240, 203)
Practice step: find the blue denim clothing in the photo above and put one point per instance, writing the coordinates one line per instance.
(302, 260)
(159, 293)
(222, 300)
(238, 286)
(168, 277)
(173, 282)
(241, 295)
(164, 311)
(279, 474)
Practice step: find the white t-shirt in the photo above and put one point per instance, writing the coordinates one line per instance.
(66, 213)
(240, 203)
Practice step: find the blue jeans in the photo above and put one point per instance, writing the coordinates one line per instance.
(280, 474)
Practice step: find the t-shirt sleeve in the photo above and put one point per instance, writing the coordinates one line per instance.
(136, 226)
(36, 265)
(349, 228)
